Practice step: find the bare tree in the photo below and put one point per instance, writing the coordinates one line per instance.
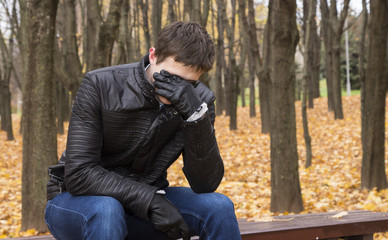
(196, 14)
(193, 7)
(143, 4)
(254, 59)
(285, 186)
(6, 51)
(93, 20)
(67, 63)
(171, 11)
(220, 59)
(120, 51)
(361, 60)
(157, 7)
(307, 75)
(136, 33)
(39, 130)
(257, 65)
(264, 75)
(107, 35)
(373, 104)
(332, 29)
(230, 77)
(243, 54)
(314, 47)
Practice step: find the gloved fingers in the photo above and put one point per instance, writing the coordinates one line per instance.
(173, 233)
(165, 73)
(187, 237)
(185, 232)
(177, 233)
(164, 93)
(164, 85)
(159, 77)
(173, 78)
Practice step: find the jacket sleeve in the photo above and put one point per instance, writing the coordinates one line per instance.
(203, 166)
(83, 173)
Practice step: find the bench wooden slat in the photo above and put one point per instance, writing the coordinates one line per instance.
(316, 226)
(42, 237)
(355, 225)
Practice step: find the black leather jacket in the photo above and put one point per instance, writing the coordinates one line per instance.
(121, 140)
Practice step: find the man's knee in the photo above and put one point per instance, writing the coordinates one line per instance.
(107, 208)
(106, 220)
(220, 205)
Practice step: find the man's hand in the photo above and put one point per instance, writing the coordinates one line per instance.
(178, 91)
(166, 218)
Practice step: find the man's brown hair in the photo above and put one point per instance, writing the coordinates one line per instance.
(189, 43)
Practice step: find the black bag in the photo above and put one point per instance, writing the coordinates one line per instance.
(56, 173)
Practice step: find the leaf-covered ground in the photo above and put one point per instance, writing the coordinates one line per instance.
(332, 183)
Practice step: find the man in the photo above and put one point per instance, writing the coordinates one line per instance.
(129, 123)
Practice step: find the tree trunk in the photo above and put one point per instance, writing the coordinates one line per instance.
(6, 68)
(332, 27)
(264, 76)
(307, 74)
(314, 86)
(157, 7)
(73, 64)
(243, 55)
(93, 20)
(67, 65)
(23, 46)
(328, 64)
(39, 131)
(254, 58)
(6, 116)
(205, 12)
(314, 53)
(230, 79)
(361, 63)
(285, 186)
(171, 12)
(194, 10)
(5, 93)
(62, 107)
(131, 32)
(373, 109)
(107, 35)
(336, 78)
(137, 32)
(22, 39)
(220, 60)
(146, 29)
(256, 65)
(121, 53)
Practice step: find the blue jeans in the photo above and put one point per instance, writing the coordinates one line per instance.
(208, 215)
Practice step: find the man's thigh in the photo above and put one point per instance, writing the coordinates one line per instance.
(184, 198)
(81, 217)
(202, 212)
(77, 217)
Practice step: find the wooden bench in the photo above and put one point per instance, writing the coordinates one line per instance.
(352, 225)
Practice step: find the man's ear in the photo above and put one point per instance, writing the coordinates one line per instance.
(152, 56)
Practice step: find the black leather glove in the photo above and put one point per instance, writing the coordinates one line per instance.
(180, 92)
(165, 217)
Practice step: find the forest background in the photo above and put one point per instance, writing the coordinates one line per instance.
(281, 75)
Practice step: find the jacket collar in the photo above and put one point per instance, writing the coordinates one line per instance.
(141, 78)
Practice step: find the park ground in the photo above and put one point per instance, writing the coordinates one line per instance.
(332, 183)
